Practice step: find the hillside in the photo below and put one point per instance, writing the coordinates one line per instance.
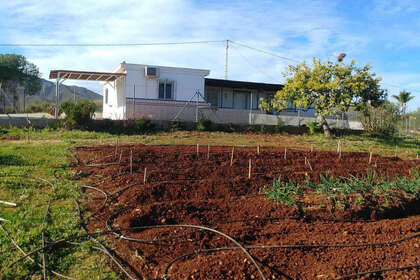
(47, 94)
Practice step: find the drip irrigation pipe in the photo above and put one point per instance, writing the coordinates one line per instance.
(349, 276)
(31, 259)
(106, 198)
(44, 272)
(79, 236)
(103, 248)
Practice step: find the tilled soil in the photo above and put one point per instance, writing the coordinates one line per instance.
(182, 187)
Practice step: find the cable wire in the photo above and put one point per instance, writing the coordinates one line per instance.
(106, 44)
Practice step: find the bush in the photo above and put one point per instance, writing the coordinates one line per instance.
(204, 125)
(78, 115)
(143, 126)
(313, 127)
(382, 120)
(176, 125)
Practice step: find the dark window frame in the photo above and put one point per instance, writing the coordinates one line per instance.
(164, 95)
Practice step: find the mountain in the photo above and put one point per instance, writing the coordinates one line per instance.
(47, 93)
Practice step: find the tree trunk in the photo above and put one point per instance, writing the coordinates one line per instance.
(325, 126)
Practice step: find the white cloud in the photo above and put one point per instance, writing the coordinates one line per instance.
(270, 25)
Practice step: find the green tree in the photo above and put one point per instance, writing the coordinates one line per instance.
(79, 114)
(328, 88)
(403, 98)
(16, 71)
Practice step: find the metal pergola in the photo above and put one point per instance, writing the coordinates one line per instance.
(61, 75)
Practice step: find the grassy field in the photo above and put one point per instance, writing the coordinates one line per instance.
(29, 160)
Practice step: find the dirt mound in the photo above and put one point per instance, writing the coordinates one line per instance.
(161, 195)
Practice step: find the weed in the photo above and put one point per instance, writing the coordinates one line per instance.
(284, 192)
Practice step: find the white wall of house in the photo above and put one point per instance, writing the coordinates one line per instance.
(185, 82)
(113, 100)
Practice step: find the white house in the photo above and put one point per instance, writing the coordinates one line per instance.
(166, 93)
(147, 86)
(134, 91)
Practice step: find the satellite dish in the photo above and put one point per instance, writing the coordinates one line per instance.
(340, 57)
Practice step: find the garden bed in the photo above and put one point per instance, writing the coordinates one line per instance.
(168, 207)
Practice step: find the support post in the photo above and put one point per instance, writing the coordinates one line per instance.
(250, 109)
(57, 95)
(134, 103)
(226, 59)
(196, 108)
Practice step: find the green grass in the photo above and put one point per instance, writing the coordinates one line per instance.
(20, 167)
(406, 147)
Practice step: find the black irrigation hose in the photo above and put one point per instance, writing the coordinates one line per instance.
(106, 198)
(43, 239)
(349, 276)
(31, 259)
(103, 248)
(79, 236)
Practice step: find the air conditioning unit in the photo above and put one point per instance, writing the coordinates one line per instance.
(151, 72)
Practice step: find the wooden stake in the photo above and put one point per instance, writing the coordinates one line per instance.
(285, 153)
(116, 148)
(8, 203)
(395, 154)
(312, 148)
(145, 176)
(231, 156)
(131, 161)
(249, 169)
(198, 149)
(258, 149)
(208, 151)
(417, 158)
(370, 157)
(120, 157)
(308, 163)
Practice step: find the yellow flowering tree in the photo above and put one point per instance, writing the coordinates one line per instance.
(328, 88)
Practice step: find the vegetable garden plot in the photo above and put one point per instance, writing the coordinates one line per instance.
(199, 212)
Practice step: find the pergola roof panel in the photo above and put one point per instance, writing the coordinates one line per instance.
(86, 75)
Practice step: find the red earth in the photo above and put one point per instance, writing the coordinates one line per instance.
(193, 189)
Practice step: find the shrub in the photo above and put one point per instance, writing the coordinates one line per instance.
(44, 107)
(176, 125)
(143, 126)
(78, 115)
(204, 125)
(382, 120)
(313, 127)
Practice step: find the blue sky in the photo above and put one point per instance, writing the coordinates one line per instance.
(383, 33)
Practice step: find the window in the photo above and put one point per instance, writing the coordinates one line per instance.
(227, 101)
(166, 90)
(255, 101)
(240, 99)
(212, 96)
(106, 96)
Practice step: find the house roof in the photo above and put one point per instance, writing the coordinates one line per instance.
(242, 84)
(86, 75)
